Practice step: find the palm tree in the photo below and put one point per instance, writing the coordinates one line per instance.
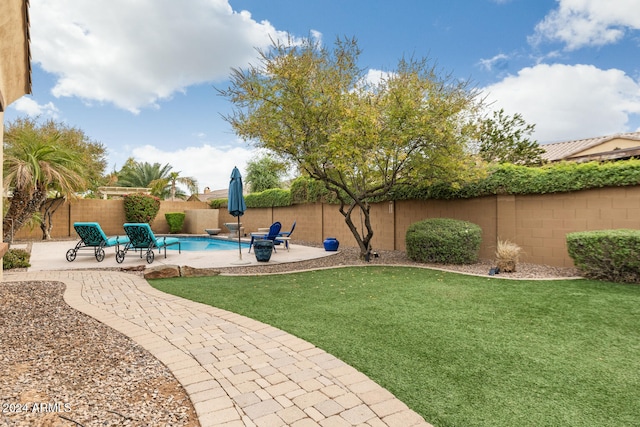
(160, 179)
(137, 174)
(169, 185)
(36, 164)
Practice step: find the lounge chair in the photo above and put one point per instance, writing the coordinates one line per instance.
(142, 239)
(272, 235)
(285, 236)
(92, 237)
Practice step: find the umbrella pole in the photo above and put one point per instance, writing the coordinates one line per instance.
(239, 246)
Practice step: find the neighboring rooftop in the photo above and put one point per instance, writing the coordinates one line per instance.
(611, 147)
(210, 195)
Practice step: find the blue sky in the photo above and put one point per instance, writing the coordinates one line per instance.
(139, 76)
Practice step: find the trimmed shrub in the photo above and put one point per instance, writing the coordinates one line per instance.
(612, 255)
(175, 221)
(515, 179)
(274, 197)
(16, 258)
(444, 241)
(140, 207)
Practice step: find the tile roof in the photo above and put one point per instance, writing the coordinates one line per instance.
(563, 150)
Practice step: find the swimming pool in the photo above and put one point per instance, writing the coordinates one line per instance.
(195, 243)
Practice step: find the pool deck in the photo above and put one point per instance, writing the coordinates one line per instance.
(236, 371)
(51, 256)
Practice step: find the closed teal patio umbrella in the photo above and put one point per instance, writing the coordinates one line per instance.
(235, 201)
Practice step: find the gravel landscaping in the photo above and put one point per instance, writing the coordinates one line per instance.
(349, 257)
(60, 367)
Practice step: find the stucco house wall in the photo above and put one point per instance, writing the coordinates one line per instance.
(15, 66)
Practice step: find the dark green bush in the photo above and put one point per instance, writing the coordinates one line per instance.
(444, 241)
(612, 255)
(16, 258)
(175, 221)
(140, 207)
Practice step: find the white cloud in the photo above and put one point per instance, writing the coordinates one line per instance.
(134, 54)
(500, 61)
(31, 108)
(210, 166)
(580, 23)
(569, 101)
(375, 77)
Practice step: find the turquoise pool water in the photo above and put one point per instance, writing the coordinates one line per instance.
(206, 244)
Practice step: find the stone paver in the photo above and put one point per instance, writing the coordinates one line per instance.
(237, 371)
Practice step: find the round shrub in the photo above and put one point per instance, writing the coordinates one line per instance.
(139, 207)
(175, 220)
(612, 255)
(444, 241)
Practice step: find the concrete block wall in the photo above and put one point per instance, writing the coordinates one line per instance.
(543, 221)
(109, 213)
(160, 225)
(538, 223)
(196, 221)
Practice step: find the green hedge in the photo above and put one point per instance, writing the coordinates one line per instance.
(274, 197)
(175, 221)
(309, 190)
(500, 179)
(612, 255)
(514, 179)
(444, 241)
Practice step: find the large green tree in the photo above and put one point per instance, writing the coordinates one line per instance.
(314, 107)
(264, 173)
(45, 162)
(506, 139)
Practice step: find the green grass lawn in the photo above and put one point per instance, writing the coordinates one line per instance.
(460, 350)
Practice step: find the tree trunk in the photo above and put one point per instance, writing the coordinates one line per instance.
(21, 209)
(49, 208)
(364, 242)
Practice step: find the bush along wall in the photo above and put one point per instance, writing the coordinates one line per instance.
(514, 179)
(140, 207)
(272, 198)
(499, 179)
(444, 241)
(175, 221)
(612, 255)
(219, 203)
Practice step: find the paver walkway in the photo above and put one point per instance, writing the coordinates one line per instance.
(237, 371)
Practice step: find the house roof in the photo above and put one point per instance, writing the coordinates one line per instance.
(212, 194)
(563, 150)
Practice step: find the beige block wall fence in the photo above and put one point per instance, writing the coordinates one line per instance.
(538, 223)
